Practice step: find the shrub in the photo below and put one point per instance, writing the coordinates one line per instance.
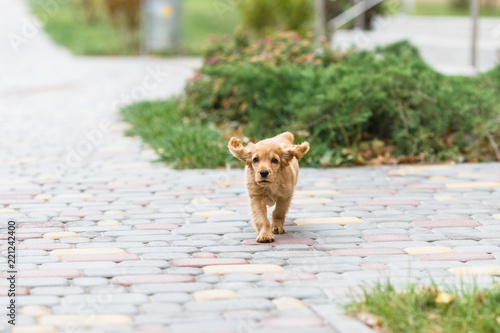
(341, 100)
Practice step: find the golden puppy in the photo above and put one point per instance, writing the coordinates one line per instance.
(271, 172)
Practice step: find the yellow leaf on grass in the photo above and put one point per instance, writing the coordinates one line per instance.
(444, 298)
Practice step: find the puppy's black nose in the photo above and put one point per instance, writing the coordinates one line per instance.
(264, 173)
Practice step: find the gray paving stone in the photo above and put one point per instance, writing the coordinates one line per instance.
(171, 297)
(115, 271)
(198, 318)
(131, 298)
(224, 305)
(90, 281)
(56, 291)
(170, 287)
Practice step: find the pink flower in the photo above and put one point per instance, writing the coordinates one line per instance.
(211, 37)
(227, 38)
(268, 39)
(212, 61)
(197, 75)
(296, 38)
(322, 38)
(264, 54)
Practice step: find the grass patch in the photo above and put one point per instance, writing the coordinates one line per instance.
(68, 27)
(429, 309)
(180, 142)
(446, 9)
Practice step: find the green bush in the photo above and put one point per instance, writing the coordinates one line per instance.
(264, 16)
(181, 142)
(340, 100)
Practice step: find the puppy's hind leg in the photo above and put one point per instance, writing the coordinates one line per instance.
(279, 213)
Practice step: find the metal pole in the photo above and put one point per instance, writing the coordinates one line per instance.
(474, 10)
(319, 18)
(360, 20)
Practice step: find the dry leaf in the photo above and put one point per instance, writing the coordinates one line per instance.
(444, 298)
(369, 319)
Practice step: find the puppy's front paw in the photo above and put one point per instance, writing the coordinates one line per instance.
(278, 230)
(265, 237)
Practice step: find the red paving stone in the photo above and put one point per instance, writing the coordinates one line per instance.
(386, 238)
(446, 224)
(38, 273)
(375, 266)
(282, 241)
(288, 276)
(156, 226)
(21, 237)
(202, 262)
(128, 280)
(366, 252)
(20, 291)
(203, 255)
(42, 225)
(292, 322)
(388, 203)
(463, 256)
(118, 257)
(46, 247)
(81, 213)
(368, 191)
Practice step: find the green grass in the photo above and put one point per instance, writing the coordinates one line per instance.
(180, 143)
(67, 26)
(418, 310)
(445, 9)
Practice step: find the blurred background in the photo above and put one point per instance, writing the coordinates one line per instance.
(441, 29)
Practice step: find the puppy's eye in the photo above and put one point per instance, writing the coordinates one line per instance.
(256, 160)
(274, 160)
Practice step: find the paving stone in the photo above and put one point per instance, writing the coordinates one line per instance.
(386, 238)
(464, 256)
(214, 294)
(282, 241)
(201, 262)
(67, 252)
(84, 320)
(78, 309)
(248, 269)
(475, 270)
(128, 280)
(417, 250)
(304, 322)
(261, 304)
(170, 287)
(90, 281)
(446, 224)
(119, 257)
(288, 276)
(328, 220)
(115, 271)
(366, 252)
(56, 291)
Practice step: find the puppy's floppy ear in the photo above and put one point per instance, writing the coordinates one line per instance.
(238, 151)
(296, 151)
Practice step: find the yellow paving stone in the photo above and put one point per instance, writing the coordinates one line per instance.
(328, 220)
(285, 303)
(85, 320)
(444, 197)
(200, 200)
(312, 193)
(496, 216)
(69, 252)
(475, 270)
(85, 196)
(438, 178)
(115, 212)
(468, 174)
(323, 184)
(44, 196)
(242, 269)
(34, 310)
(418, 169)
(474, 185)
(210, 213)
(7, 211)
(34, 329)
(116, 184)
(214, 294)
(229, 183)
(126, 166)
(413, 251)
(312, 201)
(104, 223)
(60, 234)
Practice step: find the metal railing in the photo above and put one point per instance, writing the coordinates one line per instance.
(355, 11)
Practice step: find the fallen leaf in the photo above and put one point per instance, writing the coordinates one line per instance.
(444, 298)
(369, 319)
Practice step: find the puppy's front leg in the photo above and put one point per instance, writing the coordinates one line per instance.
(259, 213)
(282, 205)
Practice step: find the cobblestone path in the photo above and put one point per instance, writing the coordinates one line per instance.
(110, 242)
